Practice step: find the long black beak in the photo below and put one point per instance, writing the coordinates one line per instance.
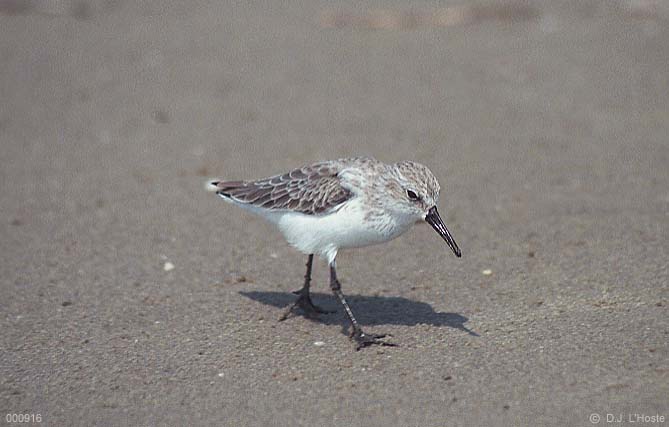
(435, 221)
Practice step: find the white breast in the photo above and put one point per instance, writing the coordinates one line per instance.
(345, 228)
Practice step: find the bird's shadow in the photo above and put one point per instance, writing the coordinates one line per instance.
(369, 310)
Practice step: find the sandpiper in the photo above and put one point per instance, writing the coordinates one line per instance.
(338, 204)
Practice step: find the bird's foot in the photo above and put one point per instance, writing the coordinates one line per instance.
(365, 340)
(304, 303)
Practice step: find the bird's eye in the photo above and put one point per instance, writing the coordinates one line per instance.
(412, 195)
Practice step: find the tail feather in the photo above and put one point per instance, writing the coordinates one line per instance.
(212, 186)
(226, 188)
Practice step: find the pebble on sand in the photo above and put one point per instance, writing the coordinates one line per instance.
(168, 266)
(487, 272)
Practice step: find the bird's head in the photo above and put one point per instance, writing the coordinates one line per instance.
(415, 192)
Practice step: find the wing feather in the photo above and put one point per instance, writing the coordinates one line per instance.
(312, 190)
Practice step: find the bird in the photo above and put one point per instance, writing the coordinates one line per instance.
(331, 205)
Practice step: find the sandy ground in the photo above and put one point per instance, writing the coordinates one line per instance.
(547, 124)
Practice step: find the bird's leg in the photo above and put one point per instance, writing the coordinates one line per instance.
(304, 298)
(362, 339)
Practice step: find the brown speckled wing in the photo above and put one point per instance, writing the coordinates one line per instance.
(311, 190)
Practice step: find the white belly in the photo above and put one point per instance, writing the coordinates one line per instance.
(346, 228)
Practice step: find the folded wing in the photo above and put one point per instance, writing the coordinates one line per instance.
(312, 190)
